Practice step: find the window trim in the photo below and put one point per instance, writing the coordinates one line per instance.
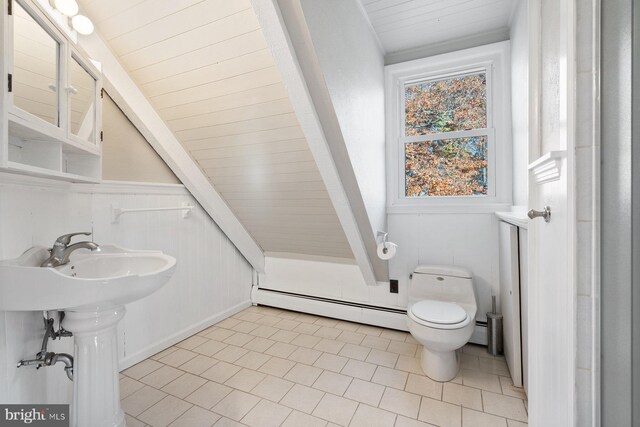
(492, 59)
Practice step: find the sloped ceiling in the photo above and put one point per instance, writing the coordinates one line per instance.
(205, 67)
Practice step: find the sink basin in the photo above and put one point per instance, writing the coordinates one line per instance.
(91, 281)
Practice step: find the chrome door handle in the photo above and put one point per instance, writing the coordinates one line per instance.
(546, 214)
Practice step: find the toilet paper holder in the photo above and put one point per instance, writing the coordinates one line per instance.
(384, 236)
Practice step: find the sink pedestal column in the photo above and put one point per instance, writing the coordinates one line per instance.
(96, 387)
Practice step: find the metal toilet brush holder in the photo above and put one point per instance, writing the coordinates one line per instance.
(494, 330)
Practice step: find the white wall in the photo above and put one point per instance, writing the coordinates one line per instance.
(212, 279)
(520, 100)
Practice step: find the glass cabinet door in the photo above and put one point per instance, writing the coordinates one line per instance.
(82, 101)
(35, 74)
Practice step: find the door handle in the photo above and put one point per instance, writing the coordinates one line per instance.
(546, 214)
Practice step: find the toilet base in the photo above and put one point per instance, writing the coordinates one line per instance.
(440, 366)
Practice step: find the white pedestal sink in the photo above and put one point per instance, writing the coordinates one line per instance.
(92, 290)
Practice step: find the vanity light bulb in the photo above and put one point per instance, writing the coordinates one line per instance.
(67, 7)
(82, 24)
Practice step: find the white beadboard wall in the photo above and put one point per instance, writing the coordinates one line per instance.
(212, 279)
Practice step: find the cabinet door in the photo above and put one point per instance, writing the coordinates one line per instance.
(36, 67)
(82, 92)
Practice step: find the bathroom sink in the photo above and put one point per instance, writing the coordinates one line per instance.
(90, 281)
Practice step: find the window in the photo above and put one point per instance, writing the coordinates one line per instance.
(440, 129)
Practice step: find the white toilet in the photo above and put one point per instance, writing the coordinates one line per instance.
(441, 316)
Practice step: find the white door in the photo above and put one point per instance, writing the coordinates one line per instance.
(552, 286)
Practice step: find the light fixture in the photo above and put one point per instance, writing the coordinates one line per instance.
(66, 7)
(82, 24)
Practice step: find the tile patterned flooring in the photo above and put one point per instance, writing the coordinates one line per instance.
(269, 367)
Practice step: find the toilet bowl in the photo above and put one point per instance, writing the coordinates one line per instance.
(441, 316)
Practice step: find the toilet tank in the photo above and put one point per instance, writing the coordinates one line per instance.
(442, 283)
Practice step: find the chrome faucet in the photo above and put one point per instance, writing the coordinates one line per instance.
(61, 250)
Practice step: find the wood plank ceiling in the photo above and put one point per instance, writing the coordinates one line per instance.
(408, 24)
(205, 67)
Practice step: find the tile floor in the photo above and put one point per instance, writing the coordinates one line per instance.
(268, 367)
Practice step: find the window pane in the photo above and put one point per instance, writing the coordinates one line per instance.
(447, 167)
(452, 104)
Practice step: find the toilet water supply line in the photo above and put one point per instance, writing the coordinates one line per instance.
(44, 358)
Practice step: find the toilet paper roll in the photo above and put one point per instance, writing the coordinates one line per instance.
(387, 250)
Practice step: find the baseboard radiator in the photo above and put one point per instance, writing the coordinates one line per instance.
(386, 317)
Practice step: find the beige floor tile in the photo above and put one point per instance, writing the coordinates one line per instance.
(331, 362)
(284, 336)
(287, 324)
(220, 372)
(239, 339)
(306, 318)
(481, 380)
(128, 386)
(218, 334)
(303, 374)
(390, 377)
(252, 360)
(164, 412)
(269, 320)
(210, 348)
(409, 422)
(281, 349)
(259, 344)
(230, 353)
(354, 351)
(272, 388)
(504, 406)
(409, 364)
(376, 342)
(351, 337)
(133, 422)
(277, 366)
(228, 323)
(368, 416)
(300, 419)
(178, 357)
(411, 339)
(326, 321)
(510, 390)
(226, 422)
(400, 402)
(476, 350)
(161, 377)
(494, 366)
(236, 405)
(471, 418)
(370, 330)
(245, 327)
(306, 328)
(469, 361)
(302, 398)
(394, 335)
(332, 383)
(245, 380)
(163, 353)
(209, 395)
(383, 358)
(329, 346)
(365, 392)
(406, 349)
(423, 385)
(304, 340)
(266, 414)
(184, 385)
(440, 413)
(308, 356)
(264, 331)
(358, 369)
(335, 409)
(198, 364)
(462, 395)
(249, 316)
(191, 342)
(513, 423)
(141, 400)
(347, 326)
(142, 369)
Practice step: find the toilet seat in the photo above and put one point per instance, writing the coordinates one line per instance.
(439, 314)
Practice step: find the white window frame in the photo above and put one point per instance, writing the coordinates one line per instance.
(492, 59)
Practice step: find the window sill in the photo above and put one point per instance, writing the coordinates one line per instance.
(488, 208)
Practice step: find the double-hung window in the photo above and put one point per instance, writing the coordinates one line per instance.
(446, 126)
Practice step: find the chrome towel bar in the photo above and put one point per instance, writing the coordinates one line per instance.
(117, 211)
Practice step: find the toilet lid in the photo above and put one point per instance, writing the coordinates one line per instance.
(445, 313)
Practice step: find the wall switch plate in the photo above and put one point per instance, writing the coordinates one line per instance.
(393, 286)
